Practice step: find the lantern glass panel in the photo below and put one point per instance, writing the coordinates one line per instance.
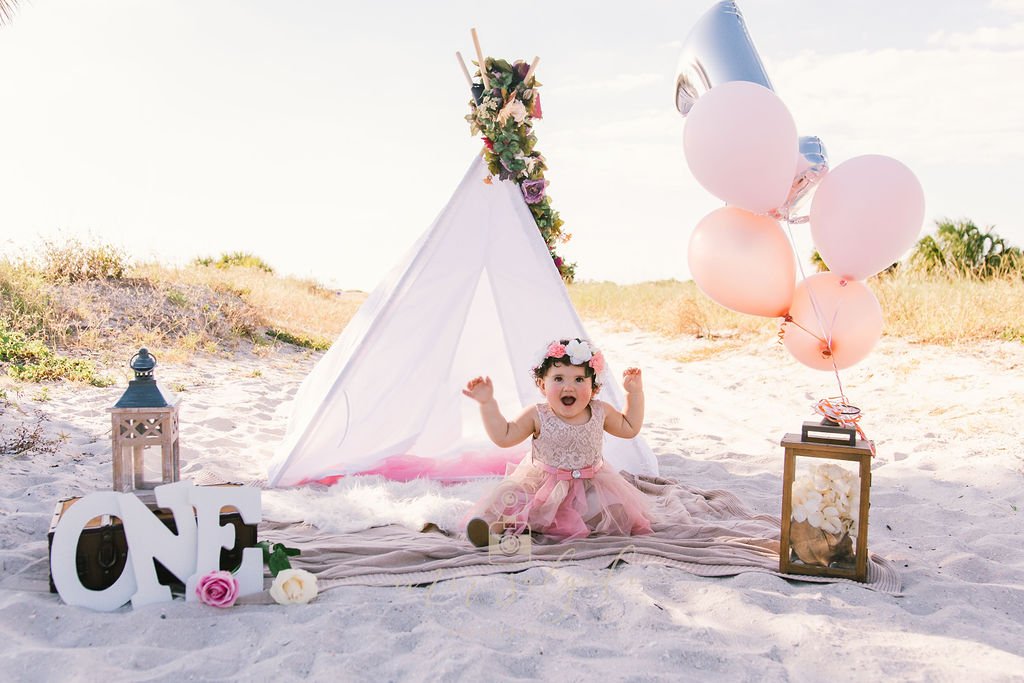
(825, 510)
(147, 466)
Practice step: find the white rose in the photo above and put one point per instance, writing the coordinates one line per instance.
(579, 352)
(293, 586)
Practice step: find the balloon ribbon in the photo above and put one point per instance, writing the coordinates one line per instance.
(842, 413)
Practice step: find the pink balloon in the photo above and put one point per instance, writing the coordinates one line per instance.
(847, 310)
(743, 261)
(866, 213)
(741, 145)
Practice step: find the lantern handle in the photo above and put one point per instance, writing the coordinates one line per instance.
(139, 353)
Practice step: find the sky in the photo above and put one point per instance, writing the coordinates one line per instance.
(325, 136)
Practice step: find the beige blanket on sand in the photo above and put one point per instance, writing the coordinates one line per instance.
(708, 533)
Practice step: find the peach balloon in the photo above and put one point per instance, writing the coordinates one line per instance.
(741, 144)
(743, 261)
(865, 214)
(851, 317)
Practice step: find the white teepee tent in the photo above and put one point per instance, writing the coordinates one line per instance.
(478, 294)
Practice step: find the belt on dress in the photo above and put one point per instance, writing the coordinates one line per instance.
(574, 477)
(582, 473)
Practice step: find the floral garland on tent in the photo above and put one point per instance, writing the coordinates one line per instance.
(504, 116)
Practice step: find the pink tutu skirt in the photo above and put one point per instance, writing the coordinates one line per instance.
(541, 499)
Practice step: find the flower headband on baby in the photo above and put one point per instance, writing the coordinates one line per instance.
(579, 351)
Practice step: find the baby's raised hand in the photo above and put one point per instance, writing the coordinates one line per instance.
(480, 389)
(632, 380)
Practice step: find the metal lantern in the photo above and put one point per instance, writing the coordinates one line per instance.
(826, 489)
(144, 431)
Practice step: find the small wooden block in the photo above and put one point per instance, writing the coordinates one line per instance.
(828, 433)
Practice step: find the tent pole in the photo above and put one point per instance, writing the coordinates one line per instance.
(465, 71)
(480, 59)
(533, 68)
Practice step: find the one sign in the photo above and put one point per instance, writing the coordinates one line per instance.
(190, 554)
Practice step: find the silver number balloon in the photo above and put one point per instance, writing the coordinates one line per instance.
(717, 50)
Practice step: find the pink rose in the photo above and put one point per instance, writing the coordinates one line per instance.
(555, 350)
(218, 589)
(537, 113)
(597, 362)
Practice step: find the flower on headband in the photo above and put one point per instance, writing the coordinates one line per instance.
(555, 350)
(579, 352)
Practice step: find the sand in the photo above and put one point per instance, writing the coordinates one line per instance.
(947, 507)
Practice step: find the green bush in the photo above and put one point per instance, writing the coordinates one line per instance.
(56, 367)
(16, 348)
(299, 340)
(177, 297)
(240, 259)
(30, 361)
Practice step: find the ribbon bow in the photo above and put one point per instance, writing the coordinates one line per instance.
(574, 477)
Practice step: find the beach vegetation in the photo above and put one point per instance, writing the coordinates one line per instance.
(920, 307)
(317, 344)
(960, 249)
(818, 262)
(177, 297)
(23, 431)
(72, 259)
(665, 307)
(57, 323)
(71, 327)
(235, 259)
(30, 360)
